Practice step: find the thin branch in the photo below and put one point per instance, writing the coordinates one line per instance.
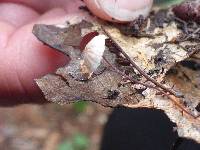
(128, 77)
(166, 92)
(137, 67)
(171, 97)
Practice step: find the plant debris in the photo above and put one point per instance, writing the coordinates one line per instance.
(148, 66)
(188, 11)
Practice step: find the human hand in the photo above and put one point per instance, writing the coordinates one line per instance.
(23, 57)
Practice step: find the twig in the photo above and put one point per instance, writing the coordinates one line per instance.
(171, 97)
(176, 102)
(128, 77)
(165, 91)
(137, 67)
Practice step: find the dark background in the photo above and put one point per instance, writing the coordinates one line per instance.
(143, 129)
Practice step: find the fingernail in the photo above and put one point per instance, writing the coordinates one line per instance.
(125, 10)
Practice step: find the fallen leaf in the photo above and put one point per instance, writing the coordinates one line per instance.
(112, 83)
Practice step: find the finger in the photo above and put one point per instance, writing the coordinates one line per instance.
(17, 14)
(120, 10)
(25, 59)
(45, 5)
(6, 29)
(38, 5)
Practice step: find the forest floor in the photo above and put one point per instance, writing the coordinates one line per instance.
(52, 127)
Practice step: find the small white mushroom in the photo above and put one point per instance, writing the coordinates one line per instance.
(93, 53)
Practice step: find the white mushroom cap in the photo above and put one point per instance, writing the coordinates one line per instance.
(93, 52)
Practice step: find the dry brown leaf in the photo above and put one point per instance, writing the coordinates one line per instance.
(156, 56)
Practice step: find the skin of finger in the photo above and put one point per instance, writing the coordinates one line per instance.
(14, 14)
(6, 30)
(25, 59)
(131, 5)
(38, 5)
(42, 6)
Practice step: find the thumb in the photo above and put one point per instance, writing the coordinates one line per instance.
(119, 10)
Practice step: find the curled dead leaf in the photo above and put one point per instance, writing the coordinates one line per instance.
(159, 59)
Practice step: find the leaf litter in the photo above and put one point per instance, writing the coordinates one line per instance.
(151, 62)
